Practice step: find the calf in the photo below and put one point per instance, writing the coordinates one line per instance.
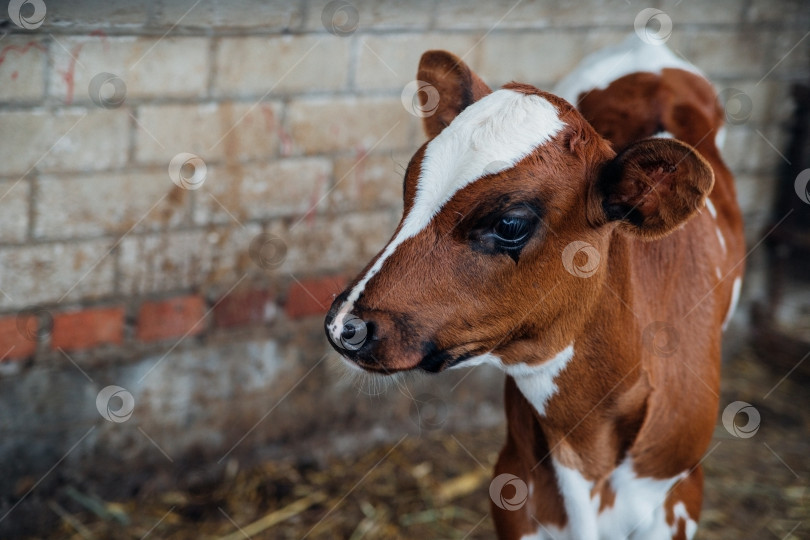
(593, 255)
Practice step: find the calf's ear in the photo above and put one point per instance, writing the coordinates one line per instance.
(651, 188)
(457, 87)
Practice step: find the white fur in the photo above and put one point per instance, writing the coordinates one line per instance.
(735, 298)
(536, 383)
(712, 209)
(637, 512)
(491, 135)
(720, 138)
(603, 67)
(579, 507)
(721, 239)
(680, 513)
(664, 135)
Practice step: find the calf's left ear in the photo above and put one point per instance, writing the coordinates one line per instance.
(651, 188)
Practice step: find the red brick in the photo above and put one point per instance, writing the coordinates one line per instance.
(173, 318)
(244, 308)
(313, 296)
(13, 344)
(88, 328)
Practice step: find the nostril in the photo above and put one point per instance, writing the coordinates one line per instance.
(354, 333)
(348, 332)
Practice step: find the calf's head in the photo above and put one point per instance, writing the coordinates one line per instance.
(509, 210)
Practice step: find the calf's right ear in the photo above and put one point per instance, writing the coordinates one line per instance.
(651, 188)
(456, 84)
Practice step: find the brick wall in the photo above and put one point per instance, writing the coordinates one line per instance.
(115, 260)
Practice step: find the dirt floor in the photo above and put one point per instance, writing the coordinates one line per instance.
(436, 485)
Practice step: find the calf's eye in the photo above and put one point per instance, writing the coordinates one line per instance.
(512, 230)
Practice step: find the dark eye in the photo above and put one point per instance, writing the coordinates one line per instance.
(506, 232)
(512, 230)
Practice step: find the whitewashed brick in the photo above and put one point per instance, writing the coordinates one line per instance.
(328, 125)
(767, 99)
(768, 152)
(726, 53)
(391, 61)
(268, 15)
(213, 131)
(755, 192)
(96, 13)
(376, 14)
(150, 67)
(542, 57)
(785, 12)
(14, 210)
(37, 274)
(22, 60)
(288, 187)
(572, 13)
(368, 182)
(185, 259)
(97, 204)
(324, 244)
(505, 14)
(714, 12)
(788, 54)
(750, 148)
(498, 13)
(67, 140)
(273, 65)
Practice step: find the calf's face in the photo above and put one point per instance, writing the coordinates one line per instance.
(508, 213)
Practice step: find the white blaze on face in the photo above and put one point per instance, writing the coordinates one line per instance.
(489, 136)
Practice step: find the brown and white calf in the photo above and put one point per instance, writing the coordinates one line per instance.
(593, 255)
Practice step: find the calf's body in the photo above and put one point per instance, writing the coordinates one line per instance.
(594, 255)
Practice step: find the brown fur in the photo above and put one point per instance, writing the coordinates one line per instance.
(643, 211)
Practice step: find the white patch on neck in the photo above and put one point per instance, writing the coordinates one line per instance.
(721, 239)
(603, 67)
(735, 298)
(712, 209)
(664, 135)
(536, 382)
(490, 136)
